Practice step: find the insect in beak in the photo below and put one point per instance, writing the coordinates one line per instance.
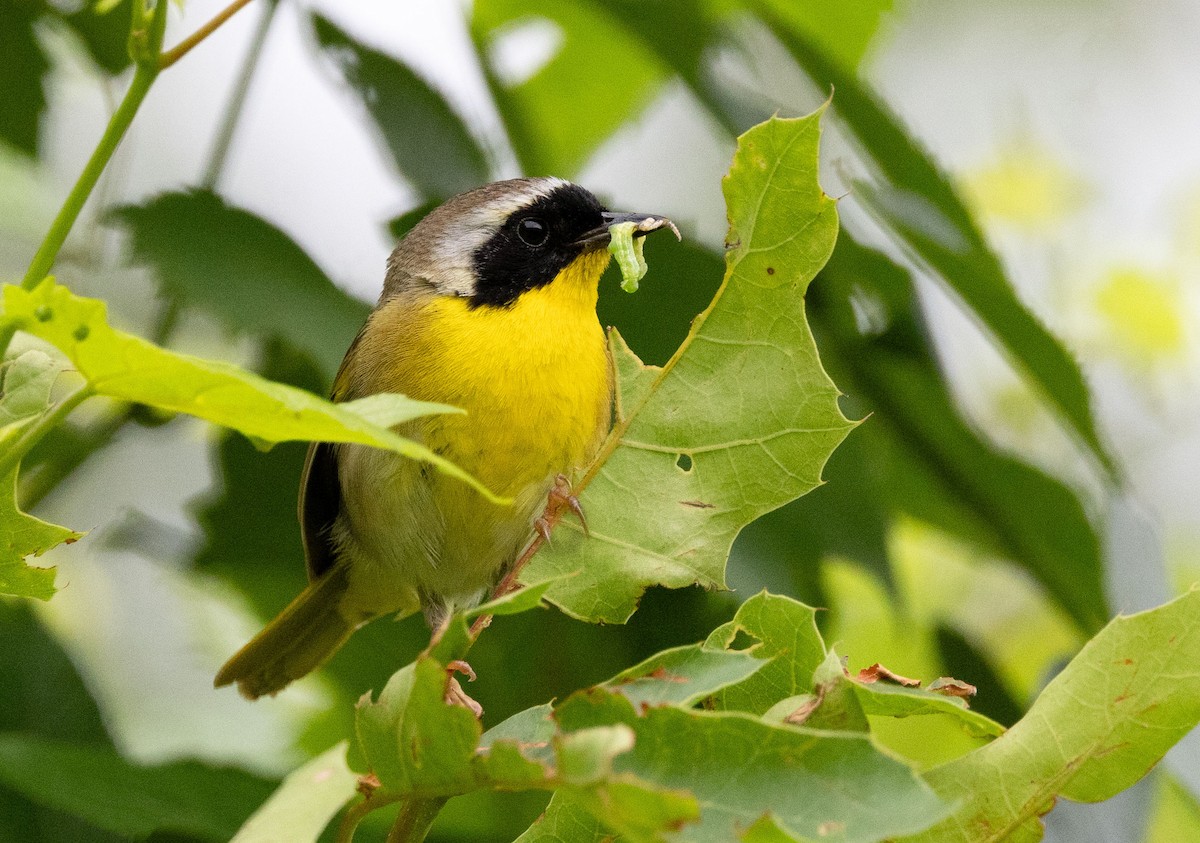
(599, 237)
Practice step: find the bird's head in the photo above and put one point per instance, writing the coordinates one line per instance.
(491, 244)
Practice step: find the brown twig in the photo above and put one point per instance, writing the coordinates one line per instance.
(508, 583)
(169, 57)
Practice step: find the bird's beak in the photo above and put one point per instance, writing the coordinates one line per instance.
(599, 237)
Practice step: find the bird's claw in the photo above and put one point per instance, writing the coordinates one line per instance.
(561, 497)
(455, 695)
(542, 525)
(460, 666)
(577, 508)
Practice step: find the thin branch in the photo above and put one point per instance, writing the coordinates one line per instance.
(145, 35)
(508, 583)
(350, 820)
(40, 266)
(233, 111)
(169, 57)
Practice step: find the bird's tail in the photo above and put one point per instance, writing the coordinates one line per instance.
(298, 641)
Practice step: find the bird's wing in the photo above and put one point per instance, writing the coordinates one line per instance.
(320, 500)
(320, 488)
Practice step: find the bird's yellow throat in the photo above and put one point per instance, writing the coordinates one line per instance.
(532, 376)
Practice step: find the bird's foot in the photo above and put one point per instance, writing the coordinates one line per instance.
(455, 695)
(560, 499)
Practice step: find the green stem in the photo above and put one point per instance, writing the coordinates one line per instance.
(169, 57)
(7, 331)
(144, 44)
(143, 77)
(350, 820)
(355, 814)
(33, 434)
(415, 819)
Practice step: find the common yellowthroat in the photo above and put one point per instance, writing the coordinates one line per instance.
(489, 304)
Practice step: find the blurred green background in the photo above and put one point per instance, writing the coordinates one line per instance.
(965, 528)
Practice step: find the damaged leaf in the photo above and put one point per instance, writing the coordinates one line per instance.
(879, 673)
(741, 418)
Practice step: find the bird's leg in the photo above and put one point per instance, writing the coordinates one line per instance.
(455, 695)
(559, 498)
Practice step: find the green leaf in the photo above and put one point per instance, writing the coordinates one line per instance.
(22, 536)
(244, 271)
(521, 600)
(765, 830)
(874, 624)
(1176, 813)
(737, 767)
(305, 803)
(572, 817)
(596, 77)
(631, 755)
(739, 422)
(786, 637)
(26, 65)
(25, 384)
(833, 705)
(841, 701)
(842, 30)
(683, 675)
(426, 138)
(95, 784)
(741, 768)
(921, 457)
(123, 366)
(412, 740)
(881, 698)
(36, 670)
(22, 94)
(919, 204)
(418, 745)
(104, 27)
(566, 820)
(1131, 693)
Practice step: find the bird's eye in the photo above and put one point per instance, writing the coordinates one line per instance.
(533, 232)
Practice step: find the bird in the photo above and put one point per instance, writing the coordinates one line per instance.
(488, 305)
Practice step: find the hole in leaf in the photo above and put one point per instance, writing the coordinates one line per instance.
(684, 462)
(43, 313)
(742, 641)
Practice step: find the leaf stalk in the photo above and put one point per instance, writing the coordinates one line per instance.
(34, 433)
(169, 57)
(415, 819)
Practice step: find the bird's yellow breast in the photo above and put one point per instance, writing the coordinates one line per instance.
(533, 377)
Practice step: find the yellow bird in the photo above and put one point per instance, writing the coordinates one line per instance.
(489, 304)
